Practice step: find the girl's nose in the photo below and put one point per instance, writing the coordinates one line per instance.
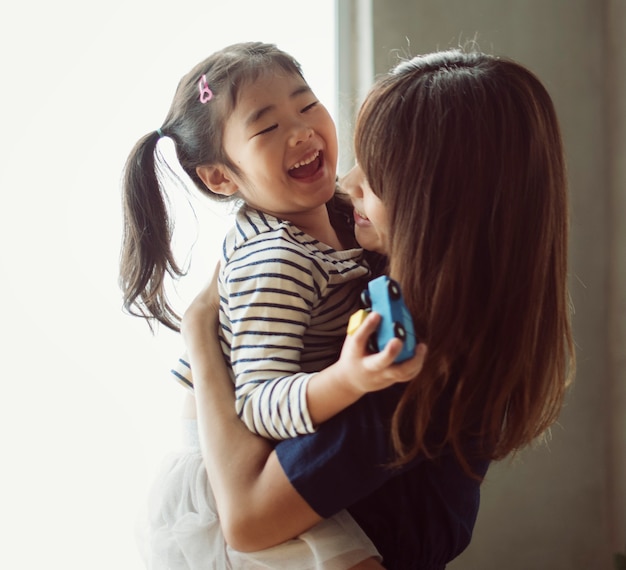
(300, 133)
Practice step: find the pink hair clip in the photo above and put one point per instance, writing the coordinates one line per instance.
(205, 92)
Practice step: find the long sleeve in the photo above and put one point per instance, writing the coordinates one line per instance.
(269, 309)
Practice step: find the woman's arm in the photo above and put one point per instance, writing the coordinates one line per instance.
(257, 504)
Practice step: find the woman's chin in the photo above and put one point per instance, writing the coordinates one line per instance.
(369, 239)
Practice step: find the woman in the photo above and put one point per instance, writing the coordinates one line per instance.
(461, 184)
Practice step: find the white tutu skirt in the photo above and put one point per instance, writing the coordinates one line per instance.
(180, 529)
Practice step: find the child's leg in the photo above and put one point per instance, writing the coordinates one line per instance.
(183, 529)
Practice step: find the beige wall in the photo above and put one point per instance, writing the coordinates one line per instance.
(560, 507)
(616, 136)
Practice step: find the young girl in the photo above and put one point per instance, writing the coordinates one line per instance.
(461, 182)
(246, 125)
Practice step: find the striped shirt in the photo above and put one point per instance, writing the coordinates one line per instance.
(285, 303)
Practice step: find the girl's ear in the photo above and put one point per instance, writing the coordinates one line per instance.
(217, 179)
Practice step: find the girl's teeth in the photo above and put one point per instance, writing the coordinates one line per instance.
(305, 162)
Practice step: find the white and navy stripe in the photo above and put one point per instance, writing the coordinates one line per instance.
(285, 304)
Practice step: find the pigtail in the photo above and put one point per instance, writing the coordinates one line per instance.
(146, 254)
(195, 122)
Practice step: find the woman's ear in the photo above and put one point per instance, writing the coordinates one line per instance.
(217, 179)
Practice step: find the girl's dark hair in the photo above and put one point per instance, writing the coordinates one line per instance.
(465, 152)
(197, 131)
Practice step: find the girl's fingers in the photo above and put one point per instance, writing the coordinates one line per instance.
(404, 371)
(413, 365)
(359, 331)
(384, 359)
(392, 349)
(367, 326)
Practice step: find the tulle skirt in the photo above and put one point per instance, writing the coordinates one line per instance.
(180, 529)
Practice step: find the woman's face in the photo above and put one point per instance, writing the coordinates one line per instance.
(370, 215)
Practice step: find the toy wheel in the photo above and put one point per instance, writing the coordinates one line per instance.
(366, 300)
(372, 345)
(394, 289)
(399, 331)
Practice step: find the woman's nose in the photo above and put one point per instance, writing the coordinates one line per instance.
(351, 182)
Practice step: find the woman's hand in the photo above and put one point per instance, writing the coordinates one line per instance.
(202, 314)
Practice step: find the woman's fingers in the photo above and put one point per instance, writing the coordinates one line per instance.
(203, 310)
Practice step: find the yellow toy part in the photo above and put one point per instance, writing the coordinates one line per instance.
(356, 320)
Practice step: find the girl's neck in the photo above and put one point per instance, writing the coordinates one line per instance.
(317, 224)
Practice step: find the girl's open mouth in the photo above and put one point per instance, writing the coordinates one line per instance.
(307, 167)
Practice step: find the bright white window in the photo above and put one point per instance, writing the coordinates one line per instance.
(91, 409)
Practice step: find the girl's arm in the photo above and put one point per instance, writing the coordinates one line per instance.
(267, 316)
(265, 338)
(357, 372)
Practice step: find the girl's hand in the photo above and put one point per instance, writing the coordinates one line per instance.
(358, 371)
(367, 372)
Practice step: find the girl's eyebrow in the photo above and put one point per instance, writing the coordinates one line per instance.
(259, 113)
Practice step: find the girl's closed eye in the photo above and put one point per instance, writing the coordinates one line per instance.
(275, 126)
(309, 107)
(267, 130)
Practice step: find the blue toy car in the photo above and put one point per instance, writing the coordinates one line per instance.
(383, 296)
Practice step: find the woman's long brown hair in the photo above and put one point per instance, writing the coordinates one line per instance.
(464, 149)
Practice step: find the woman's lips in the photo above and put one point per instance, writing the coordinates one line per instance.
(361, 219)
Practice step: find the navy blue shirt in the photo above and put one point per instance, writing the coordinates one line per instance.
(420, 516)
